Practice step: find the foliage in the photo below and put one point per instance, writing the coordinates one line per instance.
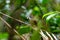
(21, 17)
(4, 37)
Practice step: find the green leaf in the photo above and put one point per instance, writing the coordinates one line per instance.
(45, 1)
(36, 11)
(47, 14)
(35, 36)
(36, 8)
(3, 35)
(56, 31)
(50, 16)
(17, 2)
(24, 29)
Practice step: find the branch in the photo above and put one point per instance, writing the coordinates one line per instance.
(9, 26)
(14, 18)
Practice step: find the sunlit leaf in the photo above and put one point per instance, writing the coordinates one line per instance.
(50, 16)
(3, 36)
(36, 11)
(47, 14)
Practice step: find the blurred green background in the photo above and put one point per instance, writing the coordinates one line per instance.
(25, 18)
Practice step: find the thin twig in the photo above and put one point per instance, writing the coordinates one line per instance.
(9, 26)
(5, 22)
(14, 18)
